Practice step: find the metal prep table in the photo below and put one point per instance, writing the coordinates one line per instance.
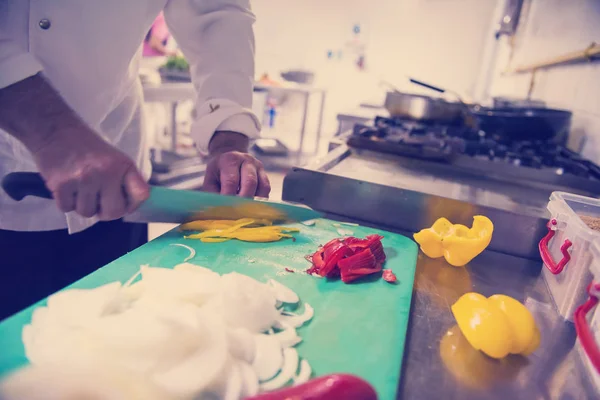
(175, 92)
(404, 196)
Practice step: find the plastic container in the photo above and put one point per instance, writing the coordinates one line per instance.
(565, 250)
(587, 323)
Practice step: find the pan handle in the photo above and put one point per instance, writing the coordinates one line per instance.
(427, 85)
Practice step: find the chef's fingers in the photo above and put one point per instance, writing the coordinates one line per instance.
(135, 189)
(230, 175)
(264, 186)
(88, 194)
(66, 196)
(211, 179)
(248, 179)
(113, 202)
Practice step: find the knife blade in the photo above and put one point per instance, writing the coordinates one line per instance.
(177, 206)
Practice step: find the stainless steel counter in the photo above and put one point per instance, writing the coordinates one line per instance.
(375, 190)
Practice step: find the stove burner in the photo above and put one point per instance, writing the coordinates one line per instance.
(445, 142)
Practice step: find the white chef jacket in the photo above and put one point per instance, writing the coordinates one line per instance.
(90, 51)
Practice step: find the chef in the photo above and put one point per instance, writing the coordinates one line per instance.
(70, 108)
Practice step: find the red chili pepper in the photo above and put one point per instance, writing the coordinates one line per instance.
(290, 270)
(389, 276)
(328, 387)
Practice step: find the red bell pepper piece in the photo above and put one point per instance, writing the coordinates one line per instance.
(355, 274)
(336, 254)
(360, 264)
(389, 276)
(328, 387)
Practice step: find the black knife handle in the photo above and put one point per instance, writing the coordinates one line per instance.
(19, 185)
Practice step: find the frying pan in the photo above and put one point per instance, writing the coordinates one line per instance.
(509, 124)
(524, 124)
(422, 108)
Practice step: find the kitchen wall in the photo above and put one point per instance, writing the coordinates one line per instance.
(551, 28)
(440, 41)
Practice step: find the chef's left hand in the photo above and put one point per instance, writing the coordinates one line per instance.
(231, 170)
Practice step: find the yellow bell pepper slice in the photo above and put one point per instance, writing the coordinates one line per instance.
(455, 242)
(214, 240)
(498, 325)
(217, 231)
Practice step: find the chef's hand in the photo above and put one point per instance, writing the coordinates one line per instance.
(231, 170)
(87, 175)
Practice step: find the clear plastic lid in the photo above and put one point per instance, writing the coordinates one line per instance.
(586, 209)
(595, 264)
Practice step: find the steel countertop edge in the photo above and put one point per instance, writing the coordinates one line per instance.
(554, 371)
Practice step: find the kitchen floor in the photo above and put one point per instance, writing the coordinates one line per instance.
(276, 178)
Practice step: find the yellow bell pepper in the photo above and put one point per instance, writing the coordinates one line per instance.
(218, 231)
(455, 242)
(498, 325)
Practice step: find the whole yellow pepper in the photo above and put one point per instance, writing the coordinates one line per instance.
(455, 242)
(498, 325)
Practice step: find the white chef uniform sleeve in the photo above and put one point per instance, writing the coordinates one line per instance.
(217, 39)
(16, 64)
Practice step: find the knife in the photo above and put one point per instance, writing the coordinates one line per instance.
(176, 206)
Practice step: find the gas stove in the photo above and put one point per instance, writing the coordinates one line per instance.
(470, 151)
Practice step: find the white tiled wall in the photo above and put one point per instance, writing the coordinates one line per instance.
(550, 28)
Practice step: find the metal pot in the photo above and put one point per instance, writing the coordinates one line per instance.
(423, 108)
(524, 124)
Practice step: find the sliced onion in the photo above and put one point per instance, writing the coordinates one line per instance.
(194, 268)
(247, 303)
(283, 293)
(76, 307)
(288, 337)
(241, 344)
(130, 280)
(310, 222)
(288, 319)
(235, 385)
(249, 379)
(201, 368)
(180, 284)
(288, 370)
(268, 357)
(304, 373)
(345, 232)
(188, 330)
(192, 251)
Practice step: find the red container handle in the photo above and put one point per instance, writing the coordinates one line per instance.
(554, 267)
(586, 337)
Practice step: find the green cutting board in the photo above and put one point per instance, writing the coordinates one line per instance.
(357, 328)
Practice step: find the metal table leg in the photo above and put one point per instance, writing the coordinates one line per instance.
(303, 126)
(320, 123)
(174, 127)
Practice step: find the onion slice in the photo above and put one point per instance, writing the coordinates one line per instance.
(288, 337)
(249, 379)
(268, 357)
(304, 373)
(288, 370)
(235, 383)
(283, 293)
(288, 319)
(191, 250)
(241, 344)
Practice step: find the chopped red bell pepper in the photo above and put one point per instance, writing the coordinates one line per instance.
(348, 258)
(389, 276)
(332, 260)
